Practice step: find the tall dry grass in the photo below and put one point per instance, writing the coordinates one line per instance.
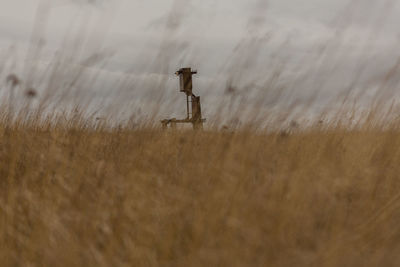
(77, 193)
(76, 189)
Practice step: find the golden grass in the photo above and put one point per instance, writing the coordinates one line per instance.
(80, 196)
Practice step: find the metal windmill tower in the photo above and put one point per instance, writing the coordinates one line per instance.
(193, 107)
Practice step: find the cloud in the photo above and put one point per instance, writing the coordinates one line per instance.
(316, 44)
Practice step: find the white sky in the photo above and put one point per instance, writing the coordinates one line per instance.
(243, 41)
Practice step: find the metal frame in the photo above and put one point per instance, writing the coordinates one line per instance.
(193, 106)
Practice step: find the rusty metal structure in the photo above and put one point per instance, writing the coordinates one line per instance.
(193, 107)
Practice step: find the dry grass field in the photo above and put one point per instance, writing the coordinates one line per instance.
(77, 195)
(265, 183)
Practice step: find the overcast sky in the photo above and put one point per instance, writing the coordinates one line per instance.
(315, 49)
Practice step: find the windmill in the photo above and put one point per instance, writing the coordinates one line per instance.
(193, 107)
